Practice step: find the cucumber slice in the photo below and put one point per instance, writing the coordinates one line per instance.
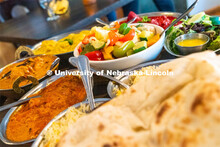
(140, 45)
(146, 34)
(97, 44)
(139, 49)
(196, 18)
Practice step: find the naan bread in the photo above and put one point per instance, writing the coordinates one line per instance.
(179, 110)
(152, 90)
(190, 118)
(105, 127)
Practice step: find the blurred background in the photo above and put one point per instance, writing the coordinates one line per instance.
(16, 9)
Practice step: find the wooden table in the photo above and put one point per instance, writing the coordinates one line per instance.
(214, 11)
(33, 27)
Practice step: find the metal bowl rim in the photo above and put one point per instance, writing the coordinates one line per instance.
(56, 38)
(207, 40)
(22, 59)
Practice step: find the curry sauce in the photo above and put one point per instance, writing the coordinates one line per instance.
(28, 121)
(36, 67)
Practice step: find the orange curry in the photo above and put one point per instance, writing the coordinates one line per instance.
(30, 119)
(36, 67)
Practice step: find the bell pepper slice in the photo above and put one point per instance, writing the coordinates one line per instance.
(117, 25)
(80, 49)
(122, 28)
(153, 40)
(86, 38)
(107, 52)
(107, 56)
(95, 55)
(128, 36)
(113, 37)
(121, 51)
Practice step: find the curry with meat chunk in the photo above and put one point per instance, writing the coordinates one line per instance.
(30, 119)
(36, 67)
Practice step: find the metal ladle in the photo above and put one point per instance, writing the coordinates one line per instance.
(109, 77)
(82, 63)
(106, 24)
(19, 102)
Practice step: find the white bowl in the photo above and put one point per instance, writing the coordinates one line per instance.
(148, 54)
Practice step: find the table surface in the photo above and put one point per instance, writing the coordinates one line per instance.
(33, 27)
(100, 89)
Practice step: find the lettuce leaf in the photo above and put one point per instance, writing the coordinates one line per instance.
(172, 34)
(215, 44)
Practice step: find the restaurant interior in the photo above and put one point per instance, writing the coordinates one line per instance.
(109, 73)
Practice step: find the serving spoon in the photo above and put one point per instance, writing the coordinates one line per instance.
(106, 24)
(19, 102)
(82, 63)
(109, 77)
(186, 12)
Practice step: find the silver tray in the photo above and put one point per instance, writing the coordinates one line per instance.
(39, 139)
(3, 125)
(9, 93)
(174, 14)
(112, 86)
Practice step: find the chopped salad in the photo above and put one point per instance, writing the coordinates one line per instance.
(164, 20)
(199, 23)
(120, 40)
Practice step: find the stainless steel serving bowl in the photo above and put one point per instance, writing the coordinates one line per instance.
(9, 94)
(3, 125)
(113, 87)
(185, 50)
(39, 139)
(64, 57)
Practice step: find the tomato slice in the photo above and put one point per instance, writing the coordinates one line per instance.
(132, 15)
(128, 36)
(95, 55)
